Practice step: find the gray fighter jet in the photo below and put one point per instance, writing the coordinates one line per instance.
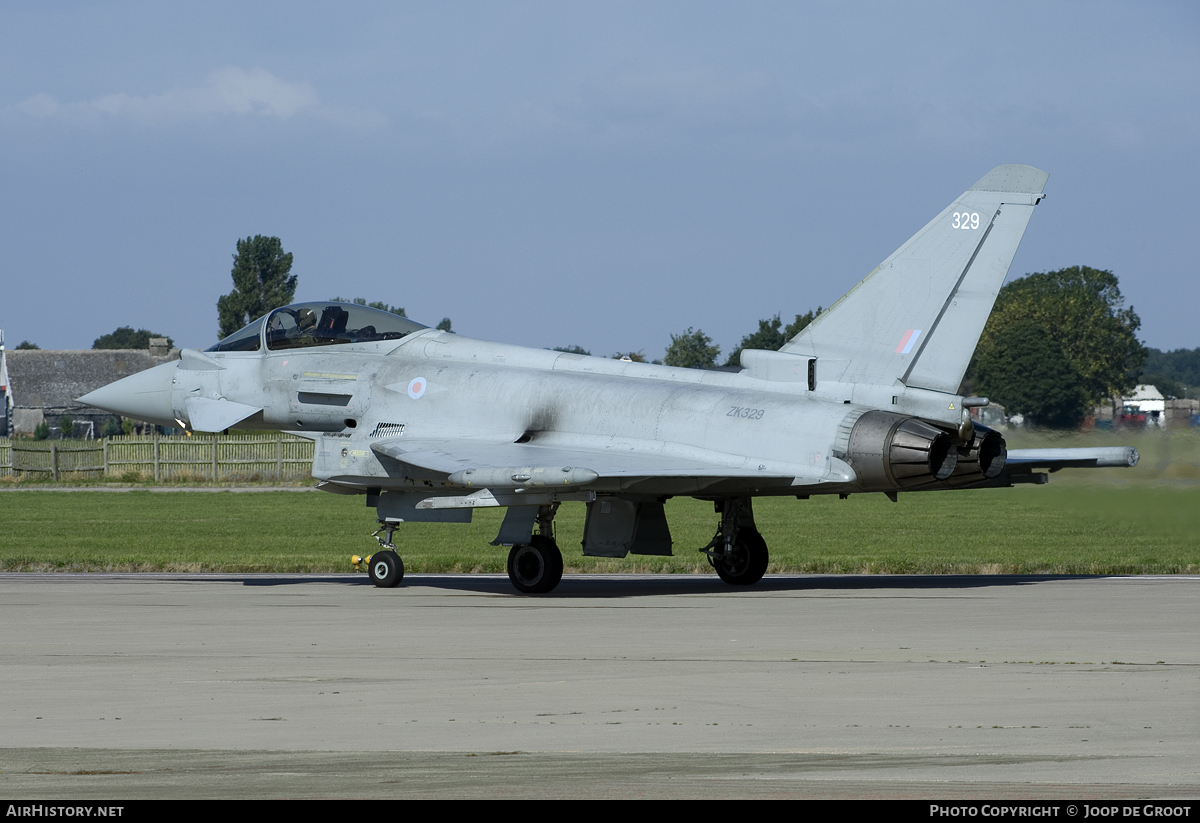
(430, 425)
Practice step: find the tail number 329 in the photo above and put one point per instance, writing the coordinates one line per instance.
(965, 220)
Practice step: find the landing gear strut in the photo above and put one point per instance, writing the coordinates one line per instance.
(737, 551)
(385, 568)
(536, 567)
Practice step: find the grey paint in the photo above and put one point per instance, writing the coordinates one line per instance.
(446, 422)
(942, 283)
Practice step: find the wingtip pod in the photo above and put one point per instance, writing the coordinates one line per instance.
(1104, 457)
(1013, 178)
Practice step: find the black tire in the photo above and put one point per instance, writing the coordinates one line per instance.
(535, 567)
(748, 561)
(385, 569)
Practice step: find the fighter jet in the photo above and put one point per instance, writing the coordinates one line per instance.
(430, 425)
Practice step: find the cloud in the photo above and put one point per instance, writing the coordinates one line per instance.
(230, 91)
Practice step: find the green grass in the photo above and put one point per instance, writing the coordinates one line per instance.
(1168, 458)
(1141, 528)
(1117, 521)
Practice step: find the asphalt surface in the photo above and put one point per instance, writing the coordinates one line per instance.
(295, 686)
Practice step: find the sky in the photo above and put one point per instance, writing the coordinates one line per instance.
(594, 174)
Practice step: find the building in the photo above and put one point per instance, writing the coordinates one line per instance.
(5, 396)
(42, 386)
(991, 415)
(1146, 406)
(1182, 412)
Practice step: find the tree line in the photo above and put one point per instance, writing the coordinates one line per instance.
(1056, 344)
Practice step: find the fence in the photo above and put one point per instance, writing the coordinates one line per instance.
(217, 457)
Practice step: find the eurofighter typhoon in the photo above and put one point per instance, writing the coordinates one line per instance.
(430, 425)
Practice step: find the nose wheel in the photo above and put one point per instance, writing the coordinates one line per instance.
(385, 569)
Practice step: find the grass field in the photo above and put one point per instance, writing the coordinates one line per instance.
(1073, 529)
(1144, 520)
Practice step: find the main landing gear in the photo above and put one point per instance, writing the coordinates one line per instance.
(536, 567)
(737, 551)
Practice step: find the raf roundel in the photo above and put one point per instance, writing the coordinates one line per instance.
(416, 387)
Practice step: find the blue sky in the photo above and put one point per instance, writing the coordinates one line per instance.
(596, 174)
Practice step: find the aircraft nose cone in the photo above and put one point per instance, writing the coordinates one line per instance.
(143, 396)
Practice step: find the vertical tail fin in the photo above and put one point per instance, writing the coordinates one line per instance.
(917, 317)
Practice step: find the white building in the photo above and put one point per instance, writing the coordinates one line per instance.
(1149, 401)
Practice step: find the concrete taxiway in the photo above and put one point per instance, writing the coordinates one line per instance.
(129, 686)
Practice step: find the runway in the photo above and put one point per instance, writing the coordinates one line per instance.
(131, 686)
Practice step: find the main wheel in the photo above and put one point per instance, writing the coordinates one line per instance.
(386, 569)
(747, 563)
(535, 567)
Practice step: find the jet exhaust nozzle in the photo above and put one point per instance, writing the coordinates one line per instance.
(981, 459)
(891, 452)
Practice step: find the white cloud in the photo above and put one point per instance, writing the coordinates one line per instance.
(228, 91)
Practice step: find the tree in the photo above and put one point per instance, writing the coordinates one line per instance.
(358, 301)
(261, 282)
(1170, 389)
(572, 350)
(1178, 371)
(801, 322)
(638, 356)
(445, 325)
(1026, 370)
(126, 338)
(25, 344)
(771, 335)
(692, 350)
(1081, 309)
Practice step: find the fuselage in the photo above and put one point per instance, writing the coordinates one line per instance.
(772, 435)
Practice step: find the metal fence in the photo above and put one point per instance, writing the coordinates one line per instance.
(200, 457)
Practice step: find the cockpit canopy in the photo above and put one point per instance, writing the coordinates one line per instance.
(302, 325)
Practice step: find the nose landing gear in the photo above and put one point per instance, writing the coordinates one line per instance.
(385, 568)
